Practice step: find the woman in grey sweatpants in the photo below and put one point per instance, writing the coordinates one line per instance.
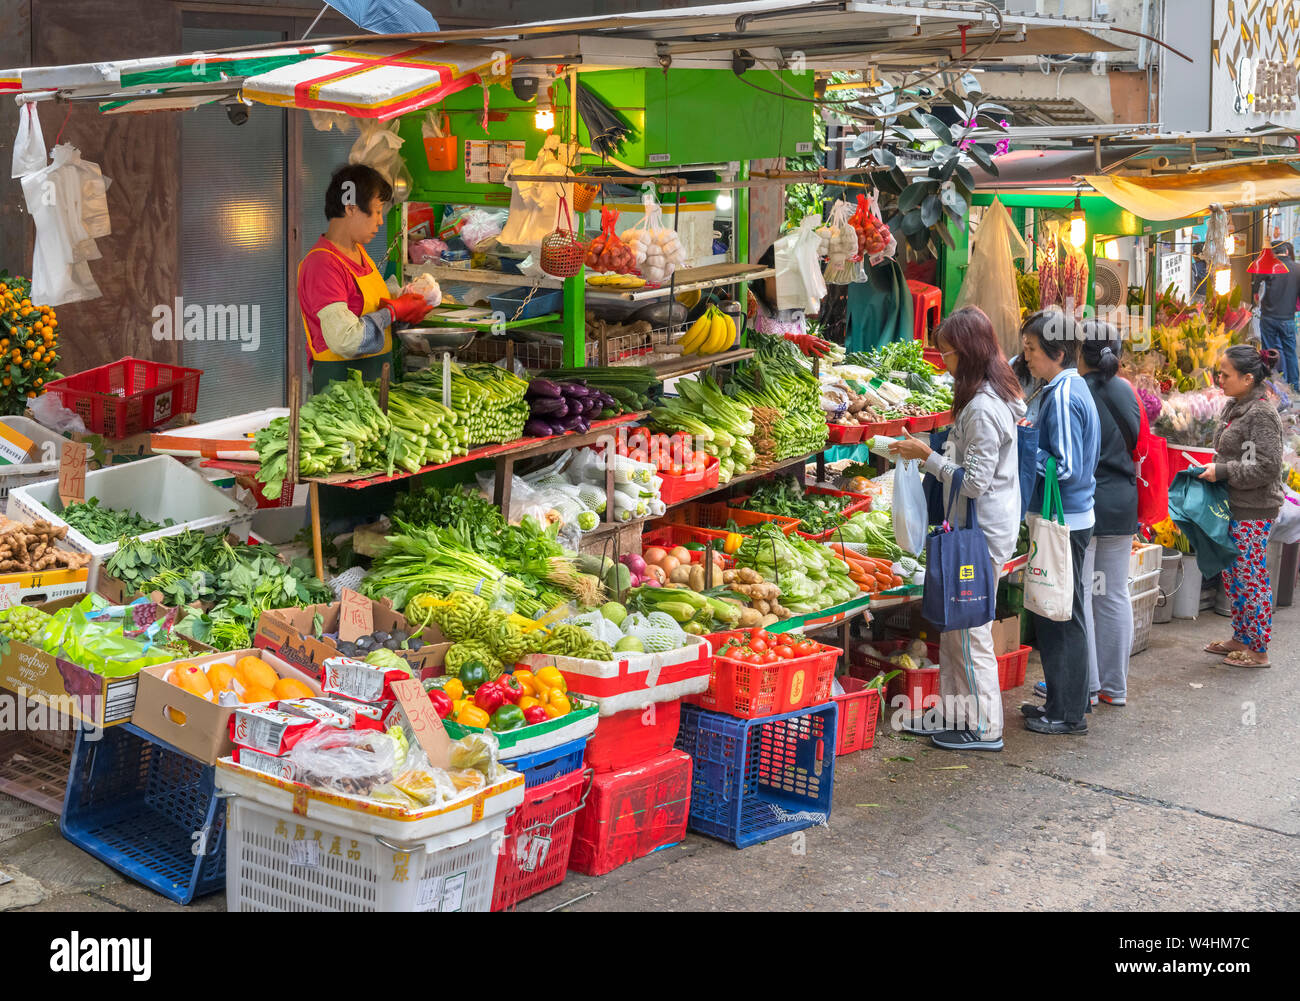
(1108, 616)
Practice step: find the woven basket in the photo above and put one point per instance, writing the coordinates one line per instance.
(584, 196)
(562, 251)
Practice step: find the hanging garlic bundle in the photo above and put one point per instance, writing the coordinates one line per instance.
(659, 251)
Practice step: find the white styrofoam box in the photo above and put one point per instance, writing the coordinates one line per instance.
(339, 869)
(278, 525)
(48, 443)
(156, 488)
(223, 439)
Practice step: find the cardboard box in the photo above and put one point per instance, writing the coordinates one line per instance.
(205, 732)
(42, 588)
(288, 632)
(1006, 635)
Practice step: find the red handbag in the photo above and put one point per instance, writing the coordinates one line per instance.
(1151, 457)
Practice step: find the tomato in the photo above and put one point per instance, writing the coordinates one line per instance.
(759, 645)
(768, 658)
(805, 648)
(756, 633)
(783, 651)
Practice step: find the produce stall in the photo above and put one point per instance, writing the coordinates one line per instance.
(612, 539)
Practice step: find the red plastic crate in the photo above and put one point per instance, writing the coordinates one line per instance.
(846, 434)
(890, 428)
(538, 838)
(861, 502)
(675, 489)
(630, 738)
(707, 516)
(129, 395)
(750, 691)
(942, 420)
(631, 813)
(920, 686)
(670, 535)
(1011, 668)
(923, 423)
(859, 710)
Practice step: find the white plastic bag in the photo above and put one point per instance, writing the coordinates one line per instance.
(379, 146)
(799, 281)
(48, 411)
(910, 509)
(659, 251)
(990, 281)
(843, 266)
(29, 144)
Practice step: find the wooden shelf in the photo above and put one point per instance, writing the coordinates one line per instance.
(688, 280)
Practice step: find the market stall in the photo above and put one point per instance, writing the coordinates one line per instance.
(613, 540)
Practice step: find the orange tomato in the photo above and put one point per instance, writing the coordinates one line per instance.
(292, 688)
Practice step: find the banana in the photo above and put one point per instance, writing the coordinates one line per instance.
(719, 331)
(696, 336)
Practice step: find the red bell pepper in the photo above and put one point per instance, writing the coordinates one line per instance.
(535, 714)
(489, 697)
(511, 690)
(441, 702)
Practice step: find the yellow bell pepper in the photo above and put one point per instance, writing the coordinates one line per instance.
(455, 690)
(732, 543)
(560, 703)
(527, 702)
(552, 678)
(552, 712)
(543, 695)
(472, 715)
(526, 679)
(458, 704)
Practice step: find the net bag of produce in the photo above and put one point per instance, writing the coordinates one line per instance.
(658, 249)
(875, 241)
(562, 251)
(607, 253)
(840, 247)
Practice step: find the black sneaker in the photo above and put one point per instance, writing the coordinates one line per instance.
(964, 740)
(1032, 712)
(1040, 725)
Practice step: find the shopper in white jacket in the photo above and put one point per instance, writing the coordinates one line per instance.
(987, 406)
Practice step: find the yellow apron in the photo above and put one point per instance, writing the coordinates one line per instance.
(373, 288)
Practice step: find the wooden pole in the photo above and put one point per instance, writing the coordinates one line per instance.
(317, 551)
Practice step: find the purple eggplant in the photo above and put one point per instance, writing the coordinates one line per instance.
(544, 388)
(548, 406)
(538, 429)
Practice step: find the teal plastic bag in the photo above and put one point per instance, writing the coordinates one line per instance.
(1200, 509)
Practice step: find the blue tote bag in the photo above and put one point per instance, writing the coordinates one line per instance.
(960, 587)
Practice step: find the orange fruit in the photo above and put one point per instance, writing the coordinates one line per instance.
(255, 673)
(256, 693)
(193, 680)
(221, 677)
(292, 688)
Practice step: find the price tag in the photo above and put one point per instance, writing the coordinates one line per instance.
(305, 853)
(14, 447)
(453, 891)
(428, 896)
(424, 722)
(357, 617)
(72, 472)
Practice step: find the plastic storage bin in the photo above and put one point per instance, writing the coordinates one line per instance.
(626, 739)
(42, 462)
(539, 837)
(752, 690)
(859, 712)
(920, 686)
(541, 767)
(510, 302)
(1144, 612)
(34, 764)
(676, 489)
(148, 810)
(712, 517)
(631, 813)
(1012, 667)
(129, 395)
(759, 779)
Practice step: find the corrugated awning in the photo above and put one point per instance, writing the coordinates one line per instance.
(378, 79)
(1181, 196)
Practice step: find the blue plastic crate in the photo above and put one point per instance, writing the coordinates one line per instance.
(145, 808)
(544, 301)
(542, 766)
(759, 779)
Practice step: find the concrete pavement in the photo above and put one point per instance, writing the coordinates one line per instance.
(1188, 798)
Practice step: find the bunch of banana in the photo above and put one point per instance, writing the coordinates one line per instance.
(616, 281)
(713, 332)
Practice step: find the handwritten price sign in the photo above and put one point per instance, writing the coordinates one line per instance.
(425, 723)
(356, 617)
(72, 472)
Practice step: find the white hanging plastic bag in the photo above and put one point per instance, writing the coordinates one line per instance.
(658, 249)
(990, 281)
(799, 281)
(910, 508)
(29, 144)
(379, 146)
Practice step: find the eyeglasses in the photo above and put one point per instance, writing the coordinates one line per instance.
(945, 354)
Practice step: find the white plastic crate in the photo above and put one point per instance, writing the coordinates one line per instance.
(276, 861)
(1149, 580)
(1144, 610)
(157, 488)
(47, 442)
(1144, 560)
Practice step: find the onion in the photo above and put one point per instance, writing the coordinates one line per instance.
(681, 554)
(656, 574)
(636, 564)
(651, 582)
(654, 555)
(668, 564)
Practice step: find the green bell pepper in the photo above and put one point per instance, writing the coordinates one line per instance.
(472, 674)
(508, 717)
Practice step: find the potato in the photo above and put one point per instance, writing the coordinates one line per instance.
(749, 618)
(769, 620)
(696, 580)
(680, 575)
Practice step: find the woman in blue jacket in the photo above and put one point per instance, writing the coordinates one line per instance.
(1069, 432)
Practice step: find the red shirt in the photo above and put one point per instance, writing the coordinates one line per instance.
(323, 279)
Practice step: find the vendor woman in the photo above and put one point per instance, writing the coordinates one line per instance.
(346, 309)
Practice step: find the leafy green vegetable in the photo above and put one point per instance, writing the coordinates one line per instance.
(103, 525)
(785, 497)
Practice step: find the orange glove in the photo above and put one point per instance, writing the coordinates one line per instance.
(408, 308)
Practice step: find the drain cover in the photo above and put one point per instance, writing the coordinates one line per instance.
(17, 817)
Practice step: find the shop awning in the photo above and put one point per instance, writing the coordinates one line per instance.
(378, 79)
(1180, 196)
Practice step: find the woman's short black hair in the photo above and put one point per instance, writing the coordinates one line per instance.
(1056, 332)
(355, 184)
(1250, 360)
(759, 288)
(1101, 347)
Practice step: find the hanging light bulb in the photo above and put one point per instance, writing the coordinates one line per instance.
(1111, 250)
(1267, 263)
(1222, 281)
(724, 202)
(1230, 245)
(544, 119)
(1078, 225)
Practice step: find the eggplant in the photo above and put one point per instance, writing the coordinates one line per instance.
(577, 389)
(548, 406)
(559, 426)
(538, 428)
(544, 387)
(590, 407)
(583, 426)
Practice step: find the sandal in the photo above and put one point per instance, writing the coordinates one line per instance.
(1221, 649)
(1246, 658)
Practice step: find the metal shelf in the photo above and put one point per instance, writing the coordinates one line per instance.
(688, 280)
(447, 317)
(480, 276)
(671, 368)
